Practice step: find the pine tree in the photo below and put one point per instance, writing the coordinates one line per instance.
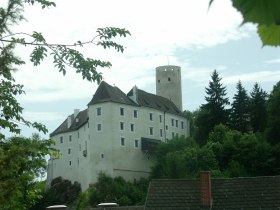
(239, 116)
(216, 104)
(258, 109)
(273, 120)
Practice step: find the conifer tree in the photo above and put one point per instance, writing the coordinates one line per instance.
(215, 107)
(239, 116)
(273, 120)
(258, 109)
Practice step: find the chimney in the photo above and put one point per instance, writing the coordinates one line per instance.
(76, 112)
(205, 189)
(69, 121)
(134, 96)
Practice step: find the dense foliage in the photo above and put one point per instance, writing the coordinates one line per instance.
(116, 190)
(228, 153)
(22, 160)
(61, 191)
(247, 144)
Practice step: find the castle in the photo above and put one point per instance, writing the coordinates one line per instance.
(117, 132)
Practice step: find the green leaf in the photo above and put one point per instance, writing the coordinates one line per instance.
(263, 12)
(270, 35)
(38, 37)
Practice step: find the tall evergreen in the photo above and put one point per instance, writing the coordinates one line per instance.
(215, 105)
(273, 120)
(258, 109)
(239, 116)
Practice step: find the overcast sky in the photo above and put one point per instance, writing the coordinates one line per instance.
(175, 32)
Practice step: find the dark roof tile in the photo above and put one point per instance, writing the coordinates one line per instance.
(228, 194)
(156, 102)
(106, 93)
(77, 122)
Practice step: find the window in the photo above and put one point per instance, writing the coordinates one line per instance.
(99, 127)
(80, 147)
(173, 135)
(135, 113)
(102, 155)
(151, 116)
(121, 126)
(151, 131)
(172, 122)
(160, 118)
(122, 141)
(88, 124)
(176, 123)
(160, 132)
(98, 111)
(88, 137)
(78, 161)
(166, 127)
(70, 162)
(169, 79)
(69, 151)
(136, 143)
(132, 127)
(182, 125)
(61, 139)
(70, 138)
(78, 134)
(122, 111)
(158, 81)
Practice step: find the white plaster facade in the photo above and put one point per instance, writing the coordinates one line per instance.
(109, 138)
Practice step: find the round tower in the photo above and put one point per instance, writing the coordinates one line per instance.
(168, 84)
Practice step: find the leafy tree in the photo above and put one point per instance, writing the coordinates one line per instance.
(258, 109)
(263, 13)
(21, 161)
(62, 191)
(182, 158)
(215, 111)
(108, 189)
(255, 155)
(241, 154)
(273, 123)
(222, 141)
(16, 153)
(64, 55)
(239, 116)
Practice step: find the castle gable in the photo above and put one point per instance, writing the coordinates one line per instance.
(108, 93)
